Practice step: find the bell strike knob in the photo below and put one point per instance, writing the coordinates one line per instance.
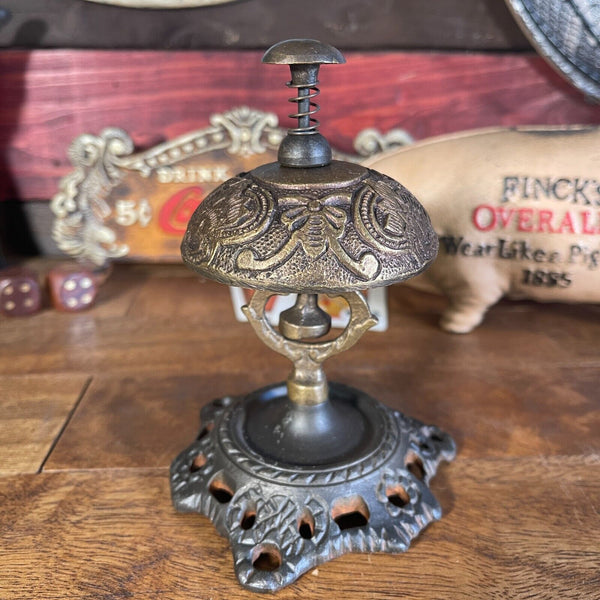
(304, 146)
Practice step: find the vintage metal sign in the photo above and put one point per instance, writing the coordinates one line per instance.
(117, 204)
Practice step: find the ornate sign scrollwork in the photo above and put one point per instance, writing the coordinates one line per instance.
(80, 207)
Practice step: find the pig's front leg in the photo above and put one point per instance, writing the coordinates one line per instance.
(470, 291)
(464, 314)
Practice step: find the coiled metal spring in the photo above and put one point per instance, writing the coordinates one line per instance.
(306, 108)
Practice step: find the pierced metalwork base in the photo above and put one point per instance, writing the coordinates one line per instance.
(363, 489)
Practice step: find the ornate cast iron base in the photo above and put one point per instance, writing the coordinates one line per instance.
(289, 498)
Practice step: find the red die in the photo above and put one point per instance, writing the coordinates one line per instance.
(20, 292)
(72, 290)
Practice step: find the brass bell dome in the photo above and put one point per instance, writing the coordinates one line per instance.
(328, 229)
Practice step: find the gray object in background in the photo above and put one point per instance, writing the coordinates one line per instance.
(567, 34)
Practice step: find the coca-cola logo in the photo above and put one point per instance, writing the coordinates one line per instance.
(178, 209)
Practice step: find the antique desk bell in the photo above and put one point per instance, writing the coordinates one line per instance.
(301, 472)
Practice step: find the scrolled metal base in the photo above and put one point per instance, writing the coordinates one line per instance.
(284, 514)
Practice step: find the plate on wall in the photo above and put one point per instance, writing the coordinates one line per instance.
(567, 34)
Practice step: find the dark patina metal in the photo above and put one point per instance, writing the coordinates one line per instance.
(298, 473)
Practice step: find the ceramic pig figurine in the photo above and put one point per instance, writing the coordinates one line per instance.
(517, 212)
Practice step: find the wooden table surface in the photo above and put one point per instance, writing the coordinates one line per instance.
(94, 406)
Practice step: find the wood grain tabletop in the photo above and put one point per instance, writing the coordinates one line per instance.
(94, 406)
